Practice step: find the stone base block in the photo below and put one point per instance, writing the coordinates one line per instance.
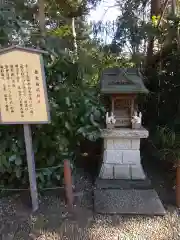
(122, 172)
(113, 156)
(107, 171)
(122, 143)
(122, 157)
(123, 184)
(135, 144)
(131, 157)
(137, 172)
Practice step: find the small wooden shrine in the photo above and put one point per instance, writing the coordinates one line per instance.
(122, 87)
(122, 186)
(121, 156)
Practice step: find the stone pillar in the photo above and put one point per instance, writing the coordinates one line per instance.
(121, 158)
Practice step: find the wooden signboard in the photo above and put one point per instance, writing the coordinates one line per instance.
(23, 98)
(23, 94)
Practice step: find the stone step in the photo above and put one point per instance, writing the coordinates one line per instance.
(128, 202)
(122, 184)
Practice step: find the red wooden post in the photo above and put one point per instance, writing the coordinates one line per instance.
(68, 183)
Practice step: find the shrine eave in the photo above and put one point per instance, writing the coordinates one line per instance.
(15, 47)
(124, 90)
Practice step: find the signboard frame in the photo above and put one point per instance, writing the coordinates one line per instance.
(27, 128)
(39, 52)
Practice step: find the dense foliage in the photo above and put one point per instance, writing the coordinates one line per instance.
(161, 108)
(72, 69)
(76, 115)
(76, 111)
(73, 89)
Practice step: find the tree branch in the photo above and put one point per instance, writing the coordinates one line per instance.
(162, 13)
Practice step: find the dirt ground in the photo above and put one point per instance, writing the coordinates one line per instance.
(54, 222)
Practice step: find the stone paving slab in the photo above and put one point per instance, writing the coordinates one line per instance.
(117, 201)
(123, 184)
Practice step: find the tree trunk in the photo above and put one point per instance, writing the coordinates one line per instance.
(74, 37)
(173, 7)
(41, 17)
(155, 11)
(155, 7)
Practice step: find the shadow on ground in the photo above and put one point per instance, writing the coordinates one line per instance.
(53, 221)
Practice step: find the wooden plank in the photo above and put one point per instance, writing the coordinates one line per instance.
(68, 184)
(31, 167)
(23, 98)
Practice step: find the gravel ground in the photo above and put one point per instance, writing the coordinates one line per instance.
(108, 228)
(53, 222)
(137, 228)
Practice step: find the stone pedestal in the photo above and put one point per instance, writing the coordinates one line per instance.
(121, 159)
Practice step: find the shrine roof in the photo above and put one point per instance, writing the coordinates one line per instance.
(122, 80)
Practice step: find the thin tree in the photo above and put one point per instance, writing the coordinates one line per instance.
(41, 18)
(155, 11)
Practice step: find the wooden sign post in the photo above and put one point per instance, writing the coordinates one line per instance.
(23, 98)
(31, 166)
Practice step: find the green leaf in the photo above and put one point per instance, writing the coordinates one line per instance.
(12, 158)
(4, 161)
(18, 161)
(97, 114)
(67, 99)
(80, 130)
(51, 160)
(67, 125)
(18, 172)
(9, 169)
(2, 169)
(14, 147)
(58, 177)
(92, 121)
(41, 177)
(47, 172)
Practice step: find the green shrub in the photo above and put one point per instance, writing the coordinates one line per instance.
(76, 114)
